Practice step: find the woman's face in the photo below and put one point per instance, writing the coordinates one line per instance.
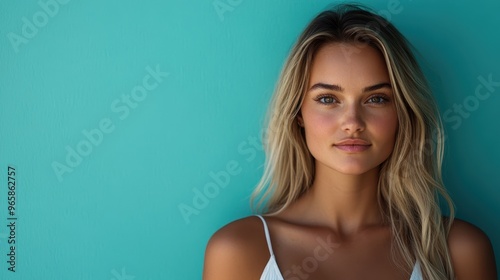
(348, 112)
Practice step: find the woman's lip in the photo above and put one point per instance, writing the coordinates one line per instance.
(352, 141)
(352, 148)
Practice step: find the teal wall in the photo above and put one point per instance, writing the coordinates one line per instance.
(117, 114)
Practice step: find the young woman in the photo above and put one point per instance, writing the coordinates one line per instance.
(353, 169)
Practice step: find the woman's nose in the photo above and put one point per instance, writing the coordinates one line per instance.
(352, 119)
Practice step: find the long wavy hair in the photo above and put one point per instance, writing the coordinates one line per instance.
(410, 181)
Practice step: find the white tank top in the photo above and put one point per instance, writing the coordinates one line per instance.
(272, 271)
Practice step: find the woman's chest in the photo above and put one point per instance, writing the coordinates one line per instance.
(325, 256)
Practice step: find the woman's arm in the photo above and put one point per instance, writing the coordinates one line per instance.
(471, 252)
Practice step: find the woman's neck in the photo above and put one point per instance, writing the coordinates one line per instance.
(345, 203)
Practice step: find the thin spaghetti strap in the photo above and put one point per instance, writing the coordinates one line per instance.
(268, 238)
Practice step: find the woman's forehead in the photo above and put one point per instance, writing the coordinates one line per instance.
(348, 64)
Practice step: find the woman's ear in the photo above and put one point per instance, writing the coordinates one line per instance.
(300, 120)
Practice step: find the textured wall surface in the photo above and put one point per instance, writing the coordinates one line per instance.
(131, 129)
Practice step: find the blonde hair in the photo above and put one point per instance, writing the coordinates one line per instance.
(410, 179)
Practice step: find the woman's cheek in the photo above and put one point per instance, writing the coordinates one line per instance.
(323, 120)
(385, 123)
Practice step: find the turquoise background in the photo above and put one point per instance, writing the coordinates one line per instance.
(116, 214)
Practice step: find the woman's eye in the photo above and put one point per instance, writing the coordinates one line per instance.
(325, 100)
(378, 99)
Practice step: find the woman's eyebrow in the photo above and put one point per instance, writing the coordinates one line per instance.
(341, 89)
(326, 86)
(377, 86)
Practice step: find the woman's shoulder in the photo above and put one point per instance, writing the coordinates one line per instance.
(237, 250)
(243, 233)
(471, 251)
